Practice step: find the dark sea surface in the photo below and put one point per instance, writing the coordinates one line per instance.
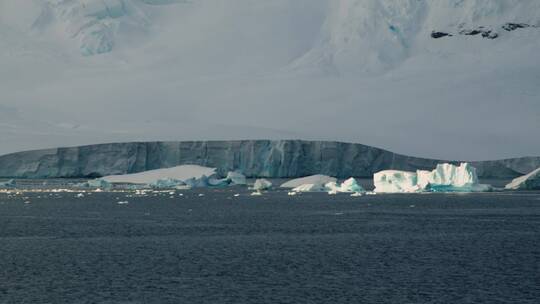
(274, 248)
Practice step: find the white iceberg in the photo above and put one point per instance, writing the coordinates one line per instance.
(395, 181)
(318, 180)
(350, 186)
(236, 178)
(332, 187)
(193, 173)
(448, 175)
(262, 184)
(529, 181)
(444, 178)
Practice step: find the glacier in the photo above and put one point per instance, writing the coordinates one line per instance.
(254, 158)
(444, 178)
(530, 181)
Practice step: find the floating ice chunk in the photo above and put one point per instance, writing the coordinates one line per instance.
(451, 178)
(236, 178)
(444, 178)
(292, 193)
(80, 195)
(348, 186)
(97, 183)
(256, 193)
(122, 202)
(448, 175)
(167, 183)
(357, 194)
(262, 184)
(351, 185)
(318, 179)
(529, 181)
(394, 181)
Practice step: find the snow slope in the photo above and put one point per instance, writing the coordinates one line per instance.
(87, 71)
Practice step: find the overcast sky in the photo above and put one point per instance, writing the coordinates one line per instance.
(360, 71)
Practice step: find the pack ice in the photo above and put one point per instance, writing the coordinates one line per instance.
(444, 178)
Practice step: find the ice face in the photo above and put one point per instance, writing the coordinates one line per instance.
(448, 175)
(529, 181)
(444, 178)
(394, 181)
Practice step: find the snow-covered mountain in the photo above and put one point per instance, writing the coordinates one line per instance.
(457, 79)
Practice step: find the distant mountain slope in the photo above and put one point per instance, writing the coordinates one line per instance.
(255, 158)
(438, 78)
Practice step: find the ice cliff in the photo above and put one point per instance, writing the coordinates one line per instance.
(254, 158)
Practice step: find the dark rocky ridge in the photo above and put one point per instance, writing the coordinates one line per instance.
(256, 158)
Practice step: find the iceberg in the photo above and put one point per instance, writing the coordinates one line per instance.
(167, 183)
(236, 178)
(317, 180)
(395, 181)
(529, 181)
(332, 187)
(192, 173)
(348, 186)
(444, 178)
(262, 184)
(446, 175)
(96, 183)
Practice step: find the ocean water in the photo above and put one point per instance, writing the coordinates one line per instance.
(209, 246)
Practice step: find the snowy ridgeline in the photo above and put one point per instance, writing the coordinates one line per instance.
(444, 178)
